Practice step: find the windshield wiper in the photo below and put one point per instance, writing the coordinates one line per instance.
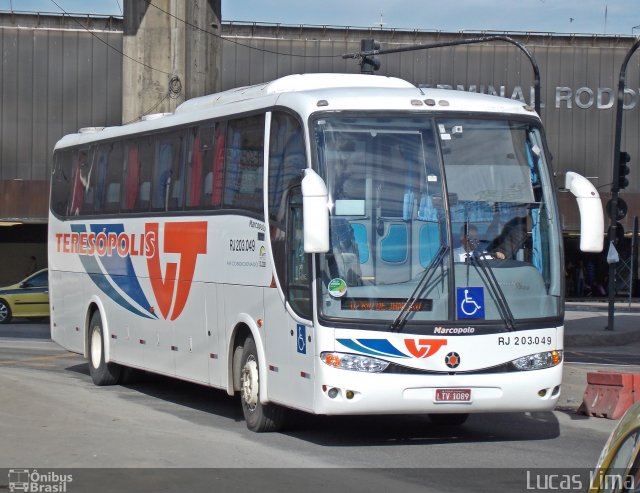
(486, 271)
(401, 318)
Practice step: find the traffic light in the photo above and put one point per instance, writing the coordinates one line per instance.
(623, 169)
(369, 63)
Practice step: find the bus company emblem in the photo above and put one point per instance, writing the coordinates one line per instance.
(423, 348)
(417, 348)
(106, 252)
(452, 360)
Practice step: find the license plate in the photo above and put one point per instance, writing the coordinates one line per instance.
(453, 395)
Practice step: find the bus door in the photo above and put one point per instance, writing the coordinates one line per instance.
(289, 339)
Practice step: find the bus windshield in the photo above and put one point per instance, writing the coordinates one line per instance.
(437, 220)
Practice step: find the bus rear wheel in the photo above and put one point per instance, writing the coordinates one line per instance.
(449, 419)
(102, 373)
(259, 417)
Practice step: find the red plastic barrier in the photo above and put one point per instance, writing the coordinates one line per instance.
(609, 395)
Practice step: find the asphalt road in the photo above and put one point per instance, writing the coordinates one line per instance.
(52, 416)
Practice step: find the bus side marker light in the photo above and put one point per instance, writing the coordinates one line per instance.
(259, 323)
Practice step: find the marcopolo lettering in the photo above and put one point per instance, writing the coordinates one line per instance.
(454, 330)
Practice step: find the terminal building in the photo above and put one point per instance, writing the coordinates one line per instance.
(62, 73)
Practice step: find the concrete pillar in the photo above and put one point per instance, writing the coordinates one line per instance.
(169, 54)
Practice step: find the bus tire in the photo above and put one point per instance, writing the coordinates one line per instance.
(5, 312)
(101, 373)
(449, 419)
(259, 417)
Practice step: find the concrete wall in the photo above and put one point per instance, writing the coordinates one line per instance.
(169, 57)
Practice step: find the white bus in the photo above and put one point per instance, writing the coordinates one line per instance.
(299, 242)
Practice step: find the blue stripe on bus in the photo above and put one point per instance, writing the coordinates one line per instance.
(121, 269)
(92, 268)
(374, 347)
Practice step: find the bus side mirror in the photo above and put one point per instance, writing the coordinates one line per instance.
(315, 210)
(591, 214)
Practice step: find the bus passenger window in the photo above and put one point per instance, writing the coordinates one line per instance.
(200, 165)
(111, 177)
(163, 174)
(146, 159)
(132, 174)
(61, 183)
(286, 161)
(299, 282)
(244, 157)
(193, 172)
(80, 180)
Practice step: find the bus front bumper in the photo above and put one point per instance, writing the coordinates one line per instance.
(346, 392)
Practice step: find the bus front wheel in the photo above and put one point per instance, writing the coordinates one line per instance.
(102, 373)
(259, 417)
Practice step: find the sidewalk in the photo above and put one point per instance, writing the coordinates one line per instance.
(585, 324)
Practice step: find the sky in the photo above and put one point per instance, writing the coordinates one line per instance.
(558, 16)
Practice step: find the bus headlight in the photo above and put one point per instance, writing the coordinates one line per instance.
(354, 362)
(538, 361)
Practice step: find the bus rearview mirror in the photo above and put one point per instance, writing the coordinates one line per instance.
(315, 213)
(591, 214)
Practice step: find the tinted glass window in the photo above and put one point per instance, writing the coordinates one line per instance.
(61, 183)
(244, 164)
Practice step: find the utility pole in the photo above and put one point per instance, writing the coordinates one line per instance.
(618, 182)
(172, 52)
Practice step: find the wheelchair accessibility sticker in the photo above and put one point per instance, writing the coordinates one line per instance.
(302, 339)
(470, 302)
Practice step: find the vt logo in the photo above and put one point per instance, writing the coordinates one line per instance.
(188, 239)
(424, 347)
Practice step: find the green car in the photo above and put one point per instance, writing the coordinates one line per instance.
(618, 469)
(27, 298)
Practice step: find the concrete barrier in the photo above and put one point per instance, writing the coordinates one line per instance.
(609, 394)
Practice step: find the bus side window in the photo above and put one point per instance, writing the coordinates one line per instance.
(286, 162)
(193, 171)
(80, 181)
(218, 165)
(163, 172)
(146, 160)
(61, 183)
(244, 158)
(201, 165)
(99, 177)
(299, 275)
(132, 176)
(112, 175)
